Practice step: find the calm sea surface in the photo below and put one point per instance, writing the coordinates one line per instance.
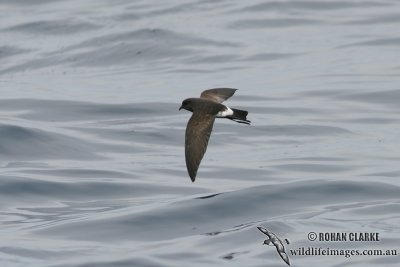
(92, 168)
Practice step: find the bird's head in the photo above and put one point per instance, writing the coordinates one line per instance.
(187, 104)
(267, 242)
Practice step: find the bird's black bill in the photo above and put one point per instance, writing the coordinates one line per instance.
(180, 107)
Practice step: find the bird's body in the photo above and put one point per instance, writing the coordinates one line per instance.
(198, 130)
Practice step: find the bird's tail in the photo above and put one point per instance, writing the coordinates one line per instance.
(239, 116)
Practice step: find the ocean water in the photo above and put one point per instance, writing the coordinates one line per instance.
(92, 168)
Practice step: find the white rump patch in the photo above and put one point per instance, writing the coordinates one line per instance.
(223, 114)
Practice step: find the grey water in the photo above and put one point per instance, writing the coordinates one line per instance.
(92, 168)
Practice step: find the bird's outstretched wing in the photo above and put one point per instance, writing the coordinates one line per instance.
(266, 232)
(218, 95)
(198, 131)
(283, 255)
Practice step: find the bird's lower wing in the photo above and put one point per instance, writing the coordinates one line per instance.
(284, 257)
(198, 133)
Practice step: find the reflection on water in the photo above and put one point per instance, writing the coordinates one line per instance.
(91, 139)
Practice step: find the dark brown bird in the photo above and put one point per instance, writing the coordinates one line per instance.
(198, 130)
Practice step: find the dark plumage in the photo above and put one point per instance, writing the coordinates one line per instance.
(198, 130)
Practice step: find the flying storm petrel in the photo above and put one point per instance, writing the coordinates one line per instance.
(198, 130)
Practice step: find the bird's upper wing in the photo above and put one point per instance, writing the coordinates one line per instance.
(198, 131)
(266, 232)
(218, 95)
